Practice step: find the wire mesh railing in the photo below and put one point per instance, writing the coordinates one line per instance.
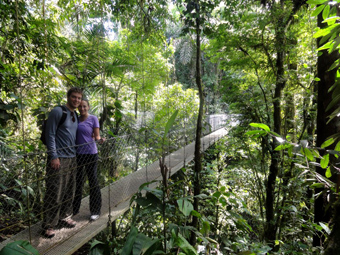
(28, 187)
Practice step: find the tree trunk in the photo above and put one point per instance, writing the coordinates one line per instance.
(323, 129)
(270, 231)
(197, 160)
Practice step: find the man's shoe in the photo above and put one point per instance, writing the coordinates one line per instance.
(67, 223)
(94, 217)
(48, 233)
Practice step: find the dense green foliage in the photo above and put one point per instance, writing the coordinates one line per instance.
(137, 63)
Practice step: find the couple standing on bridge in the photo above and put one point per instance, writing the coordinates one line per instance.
(72, 150)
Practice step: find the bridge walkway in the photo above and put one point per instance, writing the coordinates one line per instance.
(67, 241)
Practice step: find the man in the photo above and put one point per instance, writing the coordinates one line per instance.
(61, 165)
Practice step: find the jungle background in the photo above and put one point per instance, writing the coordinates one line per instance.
(271, 185)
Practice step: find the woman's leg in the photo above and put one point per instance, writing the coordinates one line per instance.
(95, 195)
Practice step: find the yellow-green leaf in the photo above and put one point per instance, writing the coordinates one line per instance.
(317, 11)
(327, 143)
(324, 161)
(337, 147)
(308, 154)
(328, 173)
(260, 125)
(316, 1)
(325, 31)
(335, 45)
(290, 151)
(282, 147)
(325, 12)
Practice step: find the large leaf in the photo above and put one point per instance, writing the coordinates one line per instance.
(99, 248)
(260, 125)
(182, 243)
(127, 249)
(283, 146)
(19, 248)
(327, 143)
(325, 227)
(316, 1)
(150, 200)
(317, 11)
(325, 12)
(324, 161)
(307, 153)
(328, 173)
(169, 124)
(147, 246)
(185, 206)
(325, 31)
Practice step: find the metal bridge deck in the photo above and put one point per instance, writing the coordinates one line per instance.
(114, 203)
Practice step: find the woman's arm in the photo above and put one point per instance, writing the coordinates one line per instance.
(96, 134)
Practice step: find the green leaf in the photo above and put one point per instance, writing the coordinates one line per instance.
(185, 206)
(327, 143)
(335, 45)
(205, 228)
(152, 247)
(223, 201)
(324, 161)
(182, 243)
(334, 65)
(282, 147)
(308, 154)
(316, 153)
(260, 125)
(317, 11)
(325, 47)
(290, 151)
(99, 248)
(217, 194)
(325, 12)
(325, 227)
(331, 19)
(19, 248)
(127, 249)
(317, 185)
(145, 245)
(337, 146)
(169, 124)
(196, 214)
(333, 102)
(325, 31)
(328, 173)
(316, 1)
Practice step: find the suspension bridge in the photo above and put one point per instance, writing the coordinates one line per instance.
(115, 155)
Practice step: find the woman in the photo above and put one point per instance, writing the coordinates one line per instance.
(87, 160)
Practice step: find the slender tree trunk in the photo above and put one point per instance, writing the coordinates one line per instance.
(197, 160)
(270, 231)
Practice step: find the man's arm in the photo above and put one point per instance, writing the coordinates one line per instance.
(51, 131)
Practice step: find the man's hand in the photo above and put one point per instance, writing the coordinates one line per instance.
(55, 163)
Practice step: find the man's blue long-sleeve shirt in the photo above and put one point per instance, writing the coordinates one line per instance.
(61, 141)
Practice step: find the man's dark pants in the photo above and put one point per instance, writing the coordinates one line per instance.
(60, 190)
